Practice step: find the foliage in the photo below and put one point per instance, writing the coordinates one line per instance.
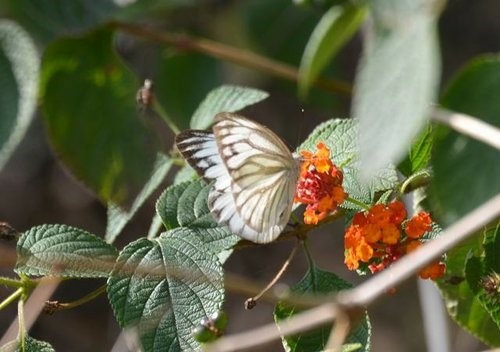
(165, 286)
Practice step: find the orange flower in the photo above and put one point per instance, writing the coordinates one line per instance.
(376, 239)
(319, 186)
(418, 225)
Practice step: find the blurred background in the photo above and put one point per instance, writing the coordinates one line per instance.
(36, 188)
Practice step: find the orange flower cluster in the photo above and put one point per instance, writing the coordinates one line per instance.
(319, 185)
(380, 236)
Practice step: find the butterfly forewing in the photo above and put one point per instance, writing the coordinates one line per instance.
(254, 172)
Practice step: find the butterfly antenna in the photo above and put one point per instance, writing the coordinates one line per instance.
(252, 301)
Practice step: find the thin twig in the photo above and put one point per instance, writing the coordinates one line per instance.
(469, 125)
(228, 53)
(54, 306)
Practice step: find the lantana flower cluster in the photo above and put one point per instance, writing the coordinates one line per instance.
(380, 236)
(319, 186)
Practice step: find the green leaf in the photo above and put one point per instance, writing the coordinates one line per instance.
(420, 153)
(335, 28)
(340, 136)
(463, 305)
(200, 74)
(119, 217)
(19, 64)
(48, 19)
(185, 206)
(319, 282)
(465, 170)
(487, 264)
(224, 98)
(397, 80)
(91, 117)
(30, 345)
(64, 251)
(164, 288)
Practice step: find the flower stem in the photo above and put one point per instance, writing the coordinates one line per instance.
(166, 117)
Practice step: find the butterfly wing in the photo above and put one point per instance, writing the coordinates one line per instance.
(262, 171)
(254, 172)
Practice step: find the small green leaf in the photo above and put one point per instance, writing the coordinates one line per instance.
(397, 80)
(185, 205)
(30, 345)
(479, 268)
(334, 29)
(420, 153)
(118, 217)
(165, 287)
(91, 116)
(320, 282)
(20, 66)
(340, 136)
(463, 305)
(465, 170)
(225, 98)
(65, 251)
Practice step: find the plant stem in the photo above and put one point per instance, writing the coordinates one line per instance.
(10, 282)
(229, 53)
(18, 293)
(166, 117)
(56, 306)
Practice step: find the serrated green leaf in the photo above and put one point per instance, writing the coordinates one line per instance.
(340, 136)
(320, 282)
(164, 287)
(224, 98)
(186, 173)
(420, 153)
(118, 217)
(185, 206)
(397, 80)
(64, 251)
(30, 345)
(91, 116)
(463, 305)
(20, 66)
(465, 170)
(334, 29)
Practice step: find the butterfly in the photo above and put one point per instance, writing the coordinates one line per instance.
(252, 171)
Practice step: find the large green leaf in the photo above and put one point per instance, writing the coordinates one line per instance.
(334, 29)
(119, 217)
(465, 170)
(30, 345)
(463, 305)
(340, 136)
(90, 113)
(224, 98)
(185, 206)
(19, 67)
(397, 79)
(48, 19)
(184, 79)
(320, 282)
(63, 251)
(164, 287)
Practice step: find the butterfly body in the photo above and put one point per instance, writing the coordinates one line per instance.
(254, 175)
